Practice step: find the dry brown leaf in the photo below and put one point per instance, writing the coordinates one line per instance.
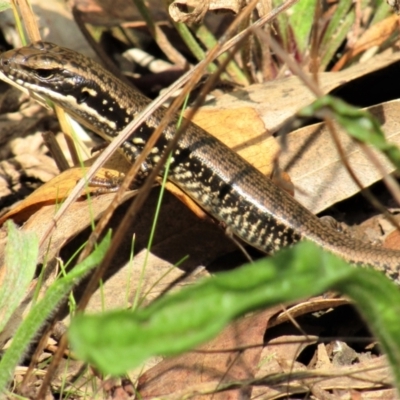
(378, 229)
(374, 394)
(180, 238)
(280, 352)
(213, 364)
(19, 124)
(392, 241)
(257, 147)
(58, 26)
(14, 171)
(77, 218)
(310, 306)
(193, 11)
(54, 192)
(374, 36)
(40, 167)
(115, 12)
(313, 162)
(57, 189)
(244, 132)
(180, 235)
(367, 374)
(278, 100)
(156, 275)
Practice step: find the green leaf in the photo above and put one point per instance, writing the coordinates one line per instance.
(21, 254)
(43, 309)
(378, 300)
(118, 341)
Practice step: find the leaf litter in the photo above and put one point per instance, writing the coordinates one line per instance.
(269, 106)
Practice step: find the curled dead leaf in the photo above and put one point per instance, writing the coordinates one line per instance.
(192, 11)
(54, 192)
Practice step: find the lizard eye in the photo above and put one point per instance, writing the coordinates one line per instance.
(44, 73)
(83, 96)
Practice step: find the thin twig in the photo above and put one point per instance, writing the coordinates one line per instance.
(196, 72)
(146, 113)
(328, 121)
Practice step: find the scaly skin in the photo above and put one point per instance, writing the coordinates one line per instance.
(216, 178)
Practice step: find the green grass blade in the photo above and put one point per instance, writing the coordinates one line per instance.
(283, 27)
(43, 309)
(381, 11)
(342, 10)
(335, 36)
(301, 20)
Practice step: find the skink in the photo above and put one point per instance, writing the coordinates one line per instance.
(215, 177)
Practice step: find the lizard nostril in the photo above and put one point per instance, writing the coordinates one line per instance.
(5, 64)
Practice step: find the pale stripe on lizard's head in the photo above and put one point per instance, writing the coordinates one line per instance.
(76, 83)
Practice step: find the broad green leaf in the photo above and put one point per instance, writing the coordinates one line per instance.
(118, 341)
(378, 300)
(43, 309)
(21, 254)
